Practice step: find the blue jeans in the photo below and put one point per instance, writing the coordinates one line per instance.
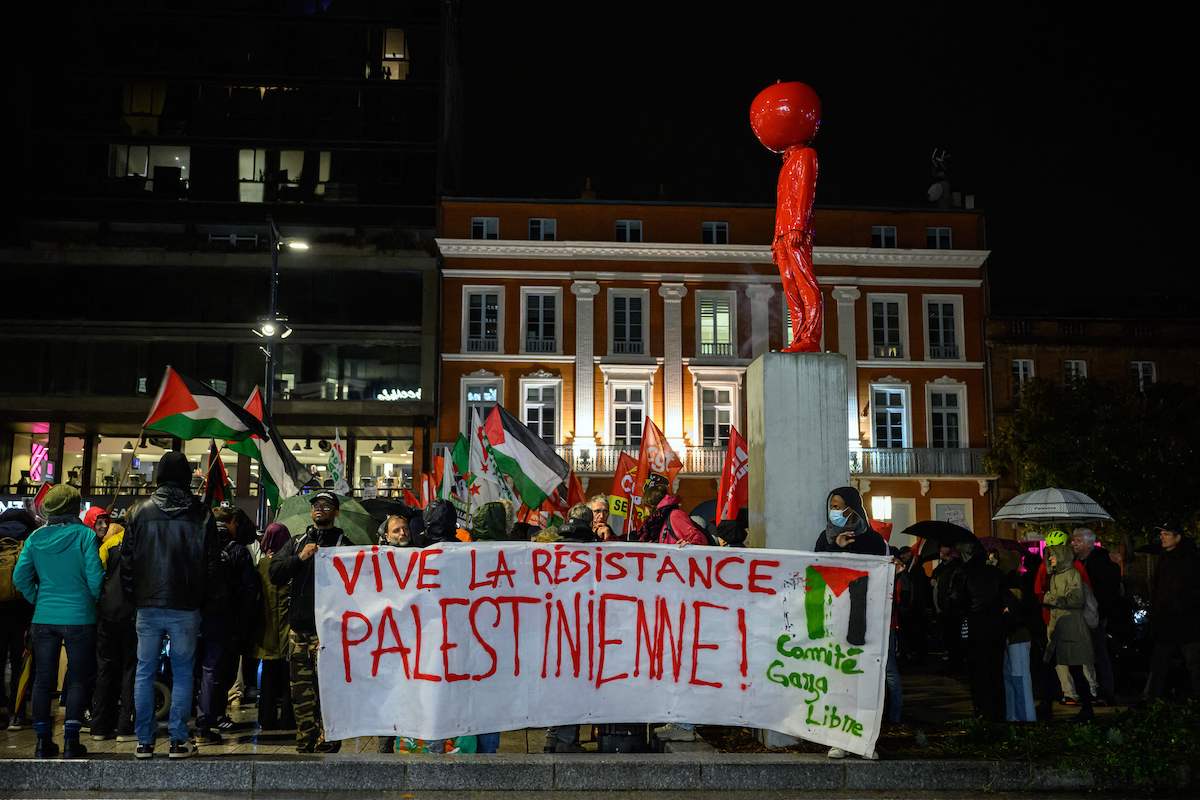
(1018, 684)
(80, 642)
(181, 628)
(894, 694)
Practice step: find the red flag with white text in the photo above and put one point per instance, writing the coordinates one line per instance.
(655, 456)
(733, 491)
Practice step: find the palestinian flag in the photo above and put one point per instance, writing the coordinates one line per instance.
(190, 409)
(279, 471)
(217, 488)
(535, 469)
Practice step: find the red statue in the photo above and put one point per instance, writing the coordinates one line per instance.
(785, 118)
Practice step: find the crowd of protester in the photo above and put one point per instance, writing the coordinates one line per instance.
(176, 588)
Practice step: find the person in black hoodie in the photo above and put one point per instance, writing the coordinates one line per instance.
(226, 624)
(292, 566)
(978, 595)
(1175, 609)
(441, 523)
(847, 527)
(170, 561)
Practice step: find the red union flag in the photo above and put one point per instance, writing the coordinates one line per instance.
(620, 497)
(733, 492)
(656, 456)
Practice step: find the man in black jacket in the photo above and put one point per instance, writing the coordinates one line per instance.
(1175, 609)
(977, 594)
(292, 566)
(170, 557)
(1106, 585)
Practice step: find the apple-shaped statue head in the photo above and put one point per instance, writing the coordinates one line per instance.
(786, 115)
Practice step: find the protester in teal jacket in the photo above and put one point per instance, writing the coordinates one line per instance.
(59, 572)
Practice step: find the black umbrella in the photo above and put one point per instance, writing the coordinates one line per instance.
(707, 509)
(936, 533)
(381, 508)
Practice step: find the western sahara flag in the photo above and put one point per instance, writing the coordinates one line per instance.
(532, 465)
(189, 409)
(281, 474)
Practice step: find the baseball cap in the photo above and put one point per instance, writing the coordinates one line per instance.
(329, 497)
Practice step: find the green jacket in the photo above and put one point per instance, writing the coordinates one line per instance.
(59, 571)
(1070, 641)
(271, 631)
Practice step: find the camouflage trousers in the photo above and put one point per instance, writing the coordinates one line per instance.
(306, 699)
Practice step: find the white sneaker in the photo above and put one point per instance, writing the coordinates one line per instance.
(674, 733)
(836, 752)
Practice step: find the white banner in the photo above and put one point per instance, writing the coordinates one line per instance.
(462, 639)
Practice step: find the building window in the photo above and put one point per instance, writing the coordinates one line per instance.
(714, 232)
(955, 511)
(629, 323)
(887, 327)
(715, 316)
(1144, 374)
(1074, 370)
(716, 416)
(479, 396)
(629, 412)
(1022, 373)
(945, 419)
(485, 227)
(395, 55)
(540, 403)
(483, 321)
(541, 320)
(252, 175)
(942, 316)
(542, 229)
(890, 417)
(883, 236)
(168, 164)
(629, 230)
(937, 238)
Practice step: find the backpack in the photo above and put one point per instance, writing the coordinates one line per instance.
(10, 551)
(1091, 609)
(709, 540)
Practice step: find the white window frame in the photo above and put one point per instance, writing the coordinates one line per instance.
(905, 344)
(544, 224)
(630, 226)
(557, 293)
(557, 384)
(735, 410)
(467, 291)
(715, 226)
(786, 318)
(480, 378)
(947, 386)
(910, 506)
(495, 223)
(731, 296)
(883, 229)
(937, 231)
(935, 502)
(1141, 382)
(1019, 384)
(959, 324)
(645, 295)
(893, 386)
(626, 382)
(1080, 363)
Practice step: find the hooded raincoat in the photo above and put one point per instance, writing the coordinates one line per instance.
(1069, 640)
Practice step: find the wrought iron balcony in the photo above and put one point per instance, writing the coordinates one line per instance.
(603, 460)
(943, 351)
(717, 349)
(485, 345)
(536, 344)
(889, 351)
(627, 347)
(918, 461)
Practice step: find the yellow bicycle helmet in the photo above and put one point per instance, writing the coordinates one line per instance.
(1056, 537)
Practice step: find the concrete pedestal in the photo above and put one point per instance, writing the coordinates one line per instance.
(796, 429)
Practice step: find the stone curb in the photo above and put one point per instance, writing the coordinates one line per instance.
(534, 773)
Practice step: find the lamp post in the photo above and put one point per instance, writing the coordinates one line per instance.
(273, 328)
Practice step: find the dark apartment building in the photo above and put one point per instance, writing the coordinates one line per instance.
(154, 143)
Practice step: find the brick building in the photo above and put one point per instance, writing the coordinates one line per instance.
(582, 317)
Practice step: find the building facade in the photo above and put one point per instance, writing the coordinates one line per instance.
(142, 235)
(585, 317)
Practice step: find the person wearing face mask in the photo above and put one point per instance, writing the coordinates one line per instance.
(847, 527)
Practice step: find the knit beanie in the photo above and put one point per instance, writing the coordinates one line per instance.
(61, 500)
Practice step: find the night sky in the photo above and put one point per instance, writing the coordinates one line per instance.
(1066, 122)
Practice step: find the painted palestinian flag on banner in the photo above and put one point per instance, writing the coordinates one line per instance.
(535, 469)
(281, 474)
(217, 488)
(189, 409)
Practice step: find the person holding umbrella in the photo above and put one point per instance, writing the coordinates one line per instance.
(293, 567)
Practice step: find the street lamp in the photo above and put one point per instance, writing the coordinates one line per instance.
(273, 328)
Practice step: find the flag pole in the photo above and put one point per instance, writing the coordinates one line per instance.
(125, 472)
